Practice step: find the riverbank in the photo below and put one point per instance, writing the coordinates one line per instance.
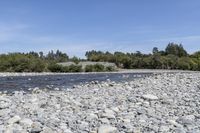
(167, 102)
(153, 71)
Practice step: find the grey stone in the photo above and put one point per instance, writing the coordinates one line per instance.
(36, 127)
(104, 121)
(188, 119)
(168, 106)
(179, 130)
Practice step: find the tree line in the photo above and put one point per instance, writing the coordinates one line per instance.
(38, 62)
(30, 62)
(173, 57)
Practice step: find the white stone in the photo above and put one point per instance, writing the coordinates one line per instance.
(150, 97)
(14, 119)
(4, 102)
(164, 128)
(107, 129)
(4, 112)
(26, 122)
(108, 114)
(91, 117)
(173, 122)
(47, 130)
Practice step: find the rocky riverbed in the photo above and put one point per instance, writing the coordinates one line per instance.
(166, 103)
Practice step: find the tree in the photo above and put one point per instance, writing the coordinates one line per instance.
(175, 49)
(171, 61)
(75, 59)
(155, 50)
(41, 55)
(57, 57)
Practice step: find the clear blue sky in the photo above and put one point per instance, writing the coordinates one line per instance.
(75, 26)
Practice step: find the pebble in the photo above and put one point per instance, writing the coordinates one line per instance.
(186, 120)
(104, 121)
(14, 119)
(26, 122)
(150, 105)
(36, 127)
(4, 102)
(107, 129)
(150, 97)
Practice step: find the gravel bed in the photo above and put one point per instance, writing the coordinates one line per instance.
(165, 103)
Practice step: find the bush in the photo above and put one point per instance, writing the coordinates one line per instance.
(184, 63)
(97, 68)
(55, 68)
(89, 68)
(65, 69)
(37, 65)
(75, 68)
(109, 69)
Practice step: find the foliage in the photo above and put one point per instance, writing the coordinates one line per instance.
(98, 68)
(58, 56)
(31, 62)
(109, 69)
(75, 59)
(175, 49)
(173, 57)
(75, 68)
(16, 62)
(55, 68)
(94, 68)
(60, 68)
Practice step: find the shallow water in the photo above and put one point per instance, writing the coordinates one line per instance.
(61, 81)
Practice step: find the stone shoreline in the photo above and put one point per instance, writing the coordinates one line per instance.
(165, 103)
(6, 74)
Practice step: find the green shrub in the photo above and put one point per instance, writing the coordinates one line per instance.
(98, 68)
(75, 68)
(55, 68)
(110, 69)
(184, 63)
(94, 68)
(65, 69)
(89, 68)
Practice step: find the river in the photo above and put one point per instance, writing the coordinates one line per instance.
(15, 83)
